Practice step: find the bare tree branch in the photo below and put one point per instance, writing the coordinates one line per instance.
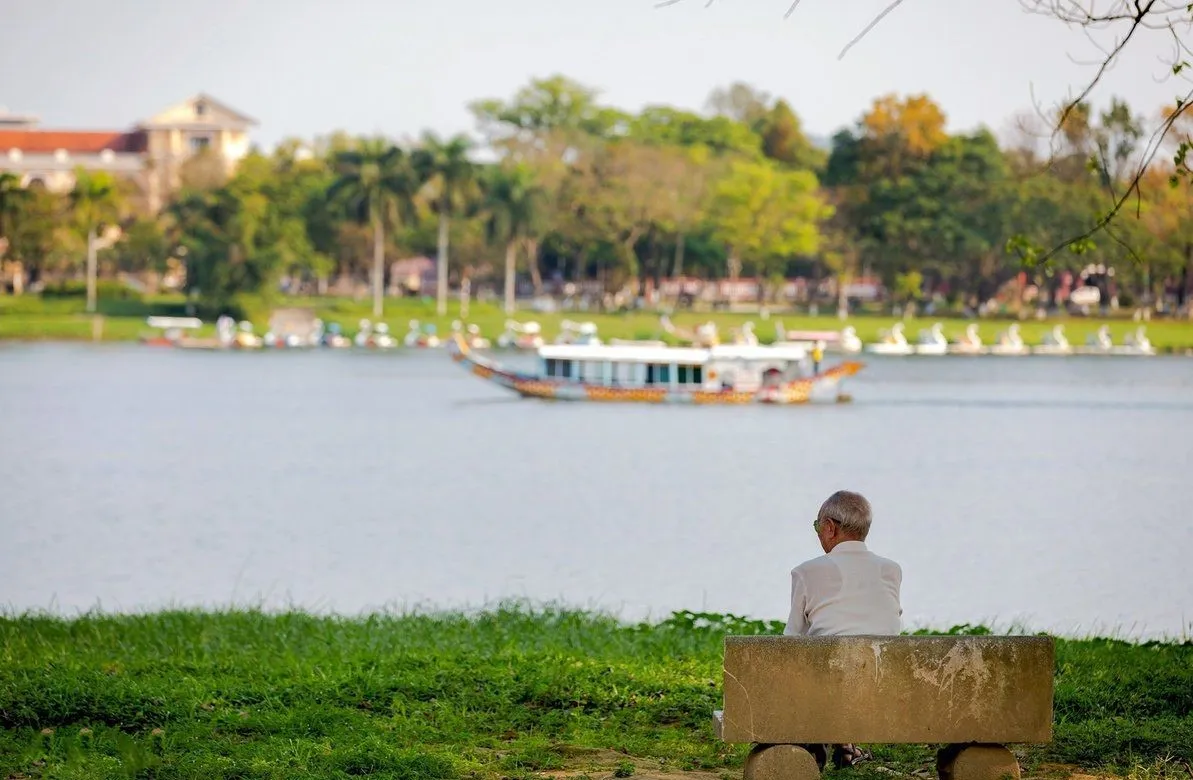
(1174, 17)
(873, 23)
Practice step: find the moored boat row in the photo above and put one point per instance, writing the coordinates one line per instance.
(1009, 343)
(528, 336)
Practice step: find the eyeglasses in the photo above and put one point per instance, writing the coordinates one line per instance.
(816, 523)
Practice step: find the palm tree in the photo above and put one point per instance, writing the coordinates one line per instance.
(513, 204)
(95, 202)
(445, 165)
(377, 183)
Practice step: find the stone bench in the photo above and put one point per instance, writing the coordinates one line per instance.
(972, 694)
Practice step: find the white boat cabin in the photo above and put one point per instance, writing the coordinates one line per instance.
(728, 366)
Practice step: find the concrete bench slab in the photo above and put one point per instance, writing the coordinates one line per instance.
(922, 690)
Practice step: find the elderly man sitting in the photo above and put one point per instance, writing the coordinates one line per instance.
(847, 591)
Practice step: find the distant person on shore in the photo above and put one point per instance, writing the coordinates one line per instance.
(817, 356)
(848, 591)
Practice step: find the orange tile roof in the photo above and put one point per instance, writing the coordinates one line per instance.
(35, 141)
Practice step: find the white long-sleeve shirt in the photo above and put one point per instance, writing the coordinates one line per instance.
(850, 591)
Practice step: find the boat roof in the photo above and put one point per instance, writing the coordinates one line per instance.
(645, 353)
(174, 322)
(759, 351)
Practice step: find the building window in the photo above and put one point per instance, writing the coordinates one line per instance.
(200, 143)
(200, 109)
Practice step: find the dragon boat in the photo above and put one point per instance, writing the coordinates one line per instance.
(723, 374)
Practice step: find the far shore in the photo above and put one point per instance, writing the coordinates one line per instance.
(29, 318)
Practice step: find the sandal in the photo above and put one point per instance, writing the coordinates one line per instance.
(850, 755)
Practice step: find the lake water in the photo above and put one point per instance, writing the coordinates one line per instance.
(1050, 492)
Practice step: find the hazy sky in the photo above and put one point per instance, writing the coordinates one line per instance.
(306, 67)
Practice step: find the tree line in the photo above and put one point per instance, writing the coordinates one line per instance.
(579, 191)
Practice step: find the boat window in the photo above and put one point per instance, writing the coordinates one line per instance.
(552, 367)
(651, 373)
(566, 366)
(697, 375)
(665, 374)
(624, 373)
(610, 373)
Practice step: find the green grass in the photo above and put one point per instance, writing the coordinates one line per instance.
(33, 318)
(506, 693)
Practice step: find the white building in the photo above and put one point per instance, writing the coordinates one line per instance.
(151, 153)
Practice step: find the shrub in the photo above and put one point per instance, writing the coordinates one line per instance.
(105, 289)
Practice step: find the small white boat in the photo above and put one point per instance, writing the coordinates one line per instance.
(850, 343)
(517, 335)
(381, 338)
(932, 341)
(744, 335)
(1137, 343)
(173, 330)
(1098, 343)
(246, 339)
(473, 339)
(334, 337)
(364, 334)
(893, 343)
(421, 336)
(1009, 343)
(372, 336)
(703, 336)
(970, 343)
(577, 333)
(1055, 343)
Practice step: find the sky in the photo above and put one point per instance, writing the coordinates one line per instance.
(396, 67)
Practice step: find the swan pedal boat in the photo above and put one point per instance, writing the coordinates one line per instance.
(893, 343)
(730, 374)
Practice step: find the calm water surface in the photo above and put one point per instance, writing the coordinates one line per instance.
(1052, 492)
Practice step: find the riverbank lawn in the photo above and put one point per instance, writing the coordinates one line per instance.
(33, 318)
(505, 694)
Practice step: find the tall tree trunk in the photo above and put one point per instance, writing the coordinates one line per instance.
(734, 268)
(441, 263)
(378, 267)
(680, 240)
(91, 270)
(532, 260)
(677, 270)
(511, 258)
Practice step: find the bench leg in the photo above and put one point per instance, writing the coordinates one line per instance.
(976, 762)
(781, 762)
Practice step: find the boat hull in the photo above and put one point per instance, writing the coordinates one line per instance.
(799, 391)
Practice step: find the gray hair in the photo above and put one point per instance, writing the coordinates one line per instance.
(849, 510)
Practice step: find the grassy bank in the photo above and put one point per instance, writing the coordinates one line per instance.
(33, 318)
(502, 694)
